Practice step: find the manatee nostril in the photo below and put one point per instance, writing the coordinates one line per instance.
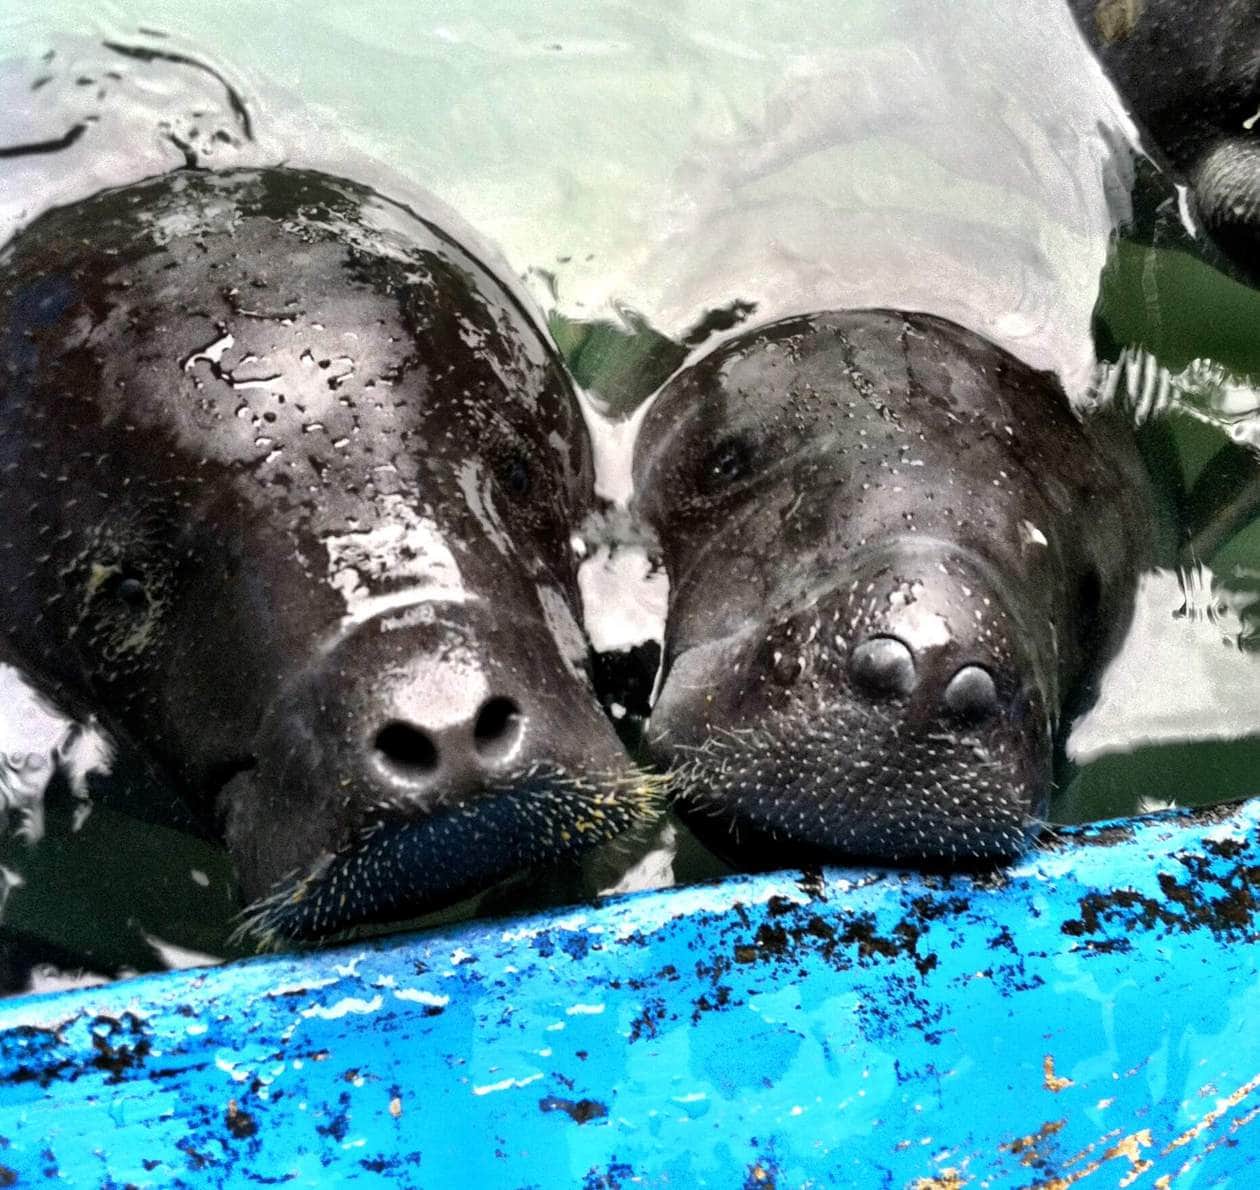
(406, 750)
(883, 666)
(971, 693)
(498, 729)
(131, 592)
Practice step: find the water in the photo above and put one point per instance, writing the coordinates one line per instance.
(656, 176)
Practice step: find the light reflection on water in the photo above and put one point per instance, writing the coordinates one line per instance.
(666, 165)
(644, 167)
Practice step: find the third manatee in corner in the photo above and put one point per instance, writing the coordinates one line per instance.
(1190, 72)
(288, 479)
(897, 557)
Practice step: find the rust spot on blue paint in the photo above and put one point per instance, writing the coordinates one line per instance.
(581, 1111)
(761, 1176)
(1187, 904)
(576, 944)
(396, 1165)
(121, 1044)
(813, 884)
(197, 1160)
(647, 1022)
(542, 943)
(614, 1177)
(28, 1053)
(339, 1126)
(720, 1000)
(239, 1122)
(861, 931)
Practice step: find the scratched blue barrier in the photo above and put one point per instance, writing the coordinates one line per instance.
(1093, 1017)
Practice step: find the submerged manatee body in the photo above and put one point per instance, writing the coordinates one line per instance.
(288, 480)
(1190, 70)
(895, 555)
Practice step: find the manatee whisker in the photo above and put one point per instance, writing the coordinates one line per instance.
(748, 779)
(543, 814)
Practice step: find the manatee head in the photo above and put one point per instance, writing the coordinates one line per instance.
(890, 546)
(288, 480)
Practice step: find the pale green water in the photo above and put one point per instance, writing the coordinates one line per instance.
(638, 166)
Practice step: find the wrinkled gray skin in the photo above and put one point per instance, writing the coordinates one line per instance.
(895, 555)
(1190, 71)
(287, 484)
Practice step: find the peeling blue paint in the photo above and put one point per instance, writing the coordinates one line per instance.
(1091, 1017)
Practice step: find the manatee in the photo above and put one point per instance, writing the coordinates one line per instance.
(1190, 71)
(897, 559)
(288, 482)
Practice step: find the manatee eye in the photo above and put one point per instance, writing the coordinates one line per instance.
(130, 591)
(729, 461)
(517, 476)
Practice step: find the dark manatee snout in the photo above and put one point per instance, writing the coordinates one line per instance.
(288, 480)
(896, 556)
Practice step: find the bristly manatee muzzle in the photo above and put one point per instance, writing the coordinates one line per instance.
(398, 864)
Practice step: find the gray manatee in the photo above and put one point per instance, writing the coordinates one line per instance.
(1190, 71)
(897, 557)
(288, 480)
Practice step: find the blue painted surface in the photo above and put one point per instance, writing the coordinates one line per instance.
(1092, 1018)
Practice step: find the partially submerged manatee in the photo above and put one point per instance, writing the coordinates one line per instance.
(1190, 70)
(896, 556)
(288, 480)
